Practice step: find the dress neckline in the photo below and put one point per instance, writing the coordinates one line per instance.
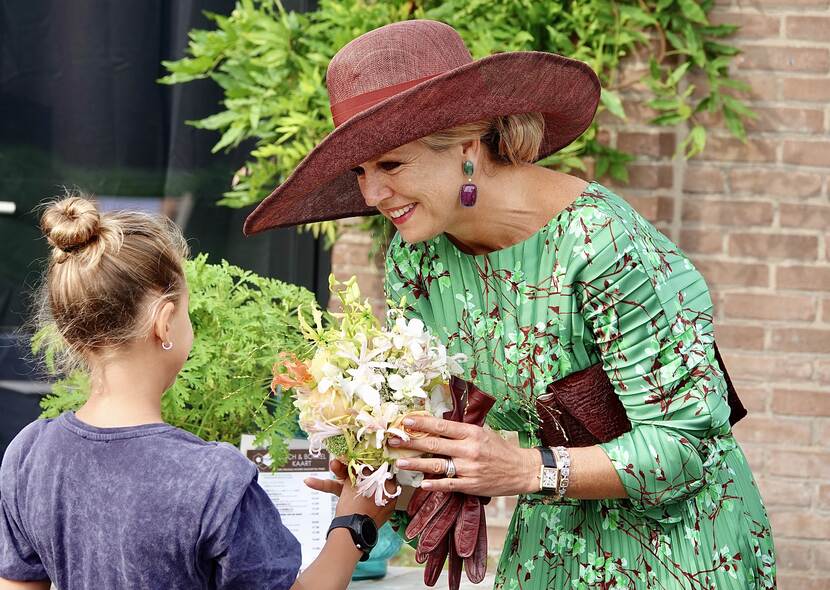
(452, 247)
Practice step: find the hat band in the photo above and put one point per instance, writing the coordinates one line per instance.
(346, 109)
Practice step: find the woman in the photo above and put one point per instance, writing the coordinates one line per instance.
(536, 276)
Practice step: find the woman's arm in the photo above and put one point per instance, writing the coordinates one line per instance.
(488, 465)
(15, 585)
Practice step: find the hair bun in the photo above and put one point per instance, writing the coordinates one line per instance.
(71, 223)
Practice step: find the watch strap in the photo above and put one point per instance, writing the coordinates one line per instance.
(353, 523)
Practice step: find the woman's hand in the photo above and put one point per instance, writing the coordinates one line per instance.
(350, 501)
(485, 463)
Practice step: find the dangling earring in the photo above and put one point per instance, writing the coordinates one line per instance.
(469, 192)
(167, 345)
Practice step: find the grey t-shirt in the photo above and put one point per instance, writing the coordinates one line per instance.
(143, 507)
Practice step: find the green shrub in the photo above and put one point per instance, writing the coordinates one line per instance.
(241, 321)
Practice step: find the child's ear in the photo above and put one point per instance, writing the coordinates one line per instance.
(161, 324)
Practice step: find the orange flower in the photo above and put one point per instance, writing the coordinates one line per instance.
(296, 372)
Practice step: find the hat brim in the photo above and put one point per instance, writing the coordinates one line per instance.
(322, 187)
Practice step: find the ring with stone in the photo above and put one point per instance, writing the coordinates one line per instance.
(450, 468)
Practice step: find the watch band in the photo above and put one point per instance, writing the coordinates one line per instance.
(548, 473)
(357, 525)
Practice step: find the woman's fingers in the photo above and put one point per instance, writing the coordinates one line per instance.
(329, 486)
(434, 466)
(433, 445)
(439, 427)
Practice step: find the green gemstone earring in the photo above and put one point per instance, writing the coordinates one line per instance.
(469, 191)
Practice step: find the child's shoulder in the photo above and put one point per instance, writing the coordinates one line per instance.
(218, 461)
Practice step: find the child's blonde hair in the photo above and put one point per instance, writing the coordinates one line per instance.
(102, 272)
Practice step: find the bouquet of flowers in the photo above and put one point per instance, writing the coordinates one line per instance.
(361, 382)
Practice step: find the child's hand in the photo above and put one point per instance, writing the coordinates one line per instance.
(330, 486)
(350, 501)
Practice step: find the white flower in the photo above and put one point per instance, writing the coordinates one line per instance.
(406, 387)
(374, 484)
(378, 421)
(365, 384)
(332, 376)
(317, 433)
(440, 401)
(410, 335)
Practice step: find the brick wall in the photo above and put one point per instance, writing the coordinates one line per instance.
(755, 219)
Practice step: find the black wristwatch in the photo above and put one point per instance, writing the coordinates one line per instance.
(549, 474)
(363, 529)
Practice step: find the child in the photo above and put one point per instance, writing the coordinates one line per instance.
(110, 497)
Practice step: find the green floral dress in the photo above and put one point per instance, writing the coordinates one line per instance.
(598, 283)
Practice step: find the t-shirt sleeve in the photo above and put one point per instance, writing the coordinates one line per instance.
(18, 559)
(259, 551)
(649, 312)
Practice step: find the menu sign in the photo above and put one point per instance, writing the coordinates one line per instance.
(305, 512)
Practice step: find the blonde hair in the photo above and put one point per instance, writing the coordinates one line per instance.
(513, 139)
(102, 271)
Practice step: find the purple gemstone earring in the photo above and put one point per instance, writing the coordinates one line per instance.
(469, 192)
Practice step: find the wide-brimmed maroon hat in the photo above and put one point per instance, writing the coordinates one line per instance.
(405, 81)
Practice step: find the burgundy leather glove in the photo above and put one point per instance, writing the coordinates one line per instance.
(450, 524)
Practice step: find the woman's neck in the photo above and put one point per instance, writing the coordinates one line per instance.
(513, 203)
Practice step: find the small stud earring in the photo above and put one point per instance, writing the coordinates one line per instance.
(167, 345)
(469, 191)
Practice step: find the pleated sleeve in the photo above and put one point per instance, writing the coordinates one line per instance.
(650, 315)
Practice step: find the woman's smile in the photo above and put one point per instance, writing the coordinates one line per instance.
(402, 214)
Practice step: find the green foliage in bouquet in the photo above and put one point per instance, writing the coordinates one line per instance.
(271, 65)
(241, 322)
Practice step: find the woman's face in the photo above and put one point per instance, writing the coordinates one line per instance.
(416, 188)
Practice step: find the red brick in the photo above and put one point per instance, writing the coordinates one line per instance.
(807, 89)
(773, 429)
(765, 367)
(825, 310)
(804, 463)
(821, 553)
(791, 5)
(752, 25)
(807, 153)
(740, 337)
(801, 340)
(703, 179)
(810, 28)
(787, 119)
(824, 496)
(805, 216)
(801, 581)
(741, 213)
(821, 431)
(769, 307)
(784, 58)
(701, 241)
(805, 278)
(800, 524)
(734, 150)
(646, 176)
(777, 183)
(756, 455)
(723, 273)
(654, 208)
(655, 145)
(785, 492)
(768, 246)
(761, 87)
(754, 399)
(801, 403)
(823, 374)
(793, 555)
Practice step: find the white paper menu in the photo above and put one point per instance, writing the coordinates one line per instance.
(305, 512)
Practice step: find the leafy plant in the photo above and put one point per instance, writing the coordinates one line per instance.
(241, 322)
(271, 64)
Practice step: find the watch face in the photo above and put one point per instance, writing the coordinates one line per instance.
(369, 532)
